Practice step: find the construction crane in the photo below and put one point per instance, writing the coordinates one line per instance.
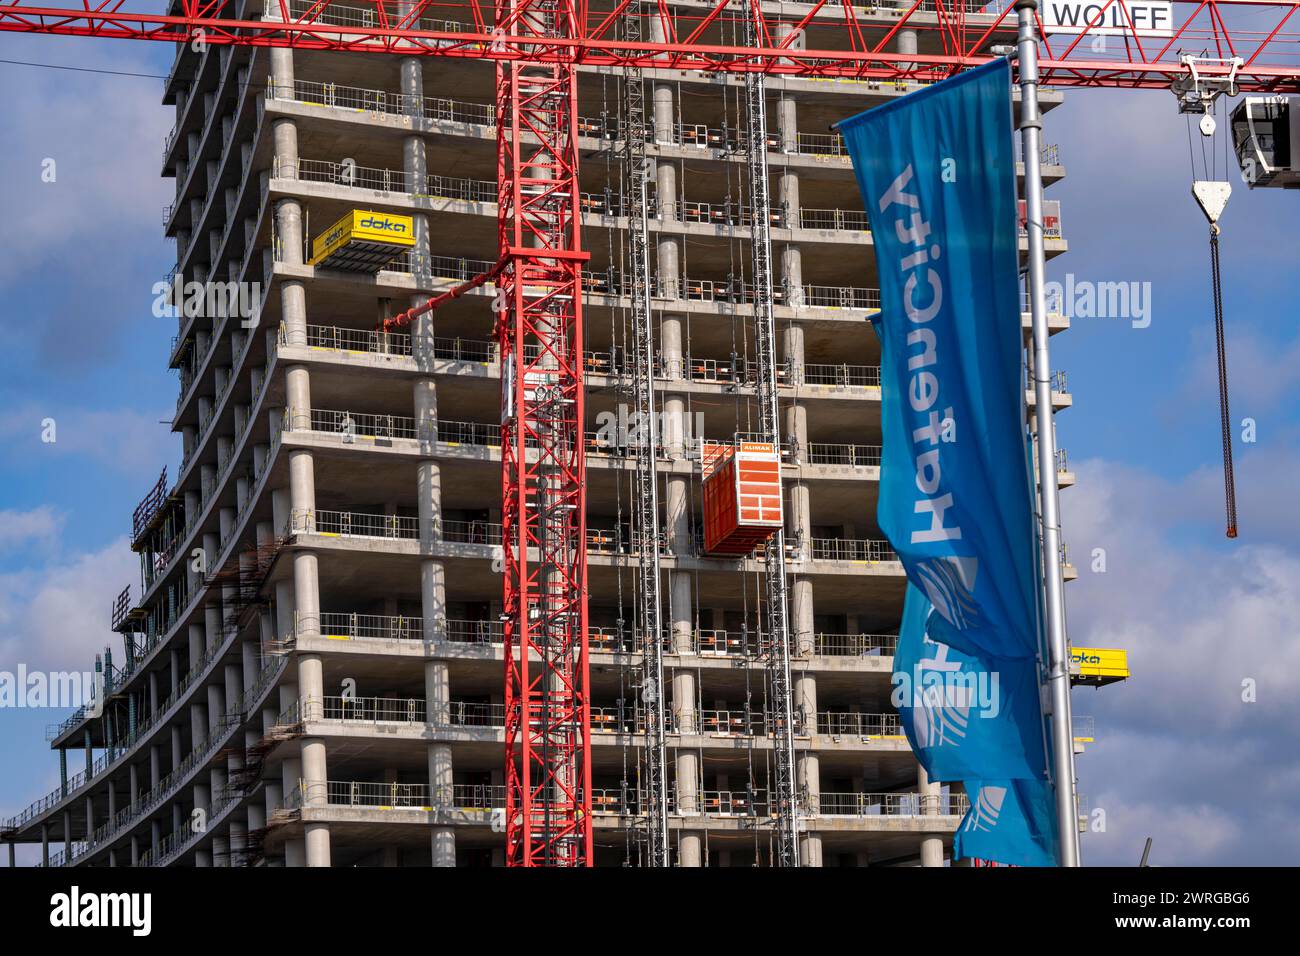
(538, 47)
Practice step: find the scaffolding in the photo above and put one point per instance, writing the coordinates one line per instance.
(646, 488)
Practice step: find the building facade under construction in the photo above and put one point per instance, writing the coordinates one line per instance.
(310, 670)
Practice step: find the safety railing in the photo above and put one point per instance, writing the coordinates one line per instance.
(855, 645)
(840, 297)
(725, 213)
(466, 190)
(334, 338)
(851, 549)
(850, 220)
(344, 174)
(475, 714)
(471, 532)
(355, 524)
(353, 425)
(354, 793)
(469, 433)
(830, 453)
(888, 804)
(335, 624)
(619, 719)
(728, 723)
(370, 710)
(842, 376)
(836, 723)
(475, 632)
(620, 541)
(820, 144)
(479, 796)
(729, 803)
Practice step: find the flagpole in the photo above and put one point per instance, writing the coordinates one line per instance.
(1058, 673)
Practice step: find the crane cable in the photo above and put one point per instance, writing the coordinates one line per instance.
(1209, 163)
(1229, 485)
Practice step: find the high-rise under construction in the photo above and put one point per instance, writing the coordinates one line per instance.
(311, 667)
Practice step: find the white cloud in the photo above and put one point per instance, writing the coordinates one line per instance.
(125, 440)
(1179, 754)
(55, 615)
(104, 135)
(37, 528)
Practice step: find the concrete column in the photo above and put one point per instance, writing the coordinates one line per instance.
(317, 843)
(293, 295)
(931, 846)
(90, 819)
(792, 275)
(67, 836)
(314, 770)
(669, 271)
(297, 411)
(809, 779)
(238, 842)
(281, 61)
(666, 190)
(211, 628)
(45, 845)
(306, 592)
(787, 124)
(665, 123)
(805, 703)
(412, 85)
(178, 751)
(415, 166)
(234, 684)
(906, 43)
(671, 349)
(690, 844)
(443, 839)
(792, 345)
(788, 196)
(284, 133)
(429, 501)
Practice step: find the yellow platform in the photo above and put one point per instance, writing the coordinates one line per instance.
(1097, 666)
(363, 241)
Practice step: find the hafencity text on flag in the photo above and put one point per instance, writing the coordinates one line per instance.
(937, 175)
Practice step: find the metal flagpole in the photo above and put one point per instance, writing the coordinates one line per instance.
(1058, 674)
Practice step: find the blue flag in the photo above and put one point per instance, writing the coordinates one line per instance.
(937, 175)
(1010, 821)
(966, 717)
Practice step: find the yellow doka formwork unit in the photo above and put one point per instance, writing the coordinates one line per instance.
(1097, 666)
(363, 241)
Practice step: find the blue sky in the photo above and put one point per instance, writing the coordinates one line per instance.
(1179, 756)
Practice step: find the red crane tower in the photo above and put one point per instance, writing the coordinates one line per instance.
(538, 46)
